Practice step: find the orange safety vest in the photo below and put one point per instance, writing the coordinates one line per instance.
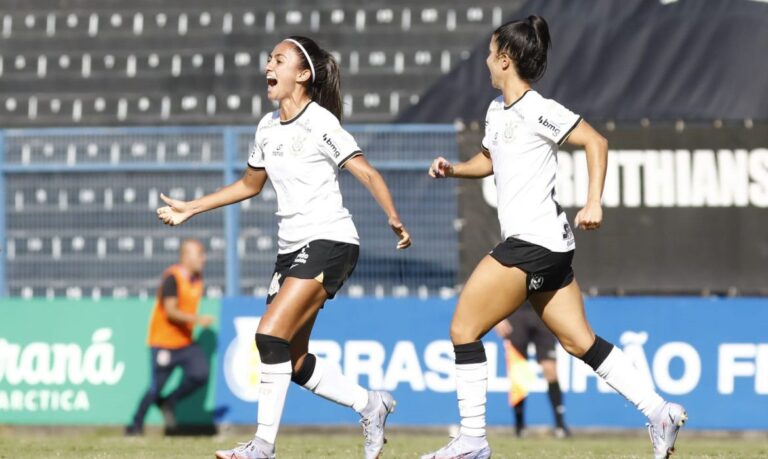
(170, 335)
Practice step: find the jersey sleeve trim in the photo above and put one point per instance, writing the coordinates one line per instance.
(484, 148)
(350, 156)
(568, 132)
(257, 168)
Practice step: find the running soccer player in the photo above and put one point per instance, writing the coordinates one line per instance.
(301, 147)
(522, 133)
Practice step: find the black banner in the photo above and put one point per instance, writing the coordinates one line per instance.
(685, 212)
(629, 60)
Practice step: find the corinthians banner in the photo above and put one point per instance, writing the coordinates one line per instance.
(684, 212)
(78, 362)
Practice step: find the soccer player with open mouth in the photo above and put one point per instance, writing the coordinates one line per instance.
(522, 133)
(301, 148)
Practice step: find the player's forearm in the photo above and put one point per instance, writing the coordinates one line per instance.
(479, 166)
(230, 194)
(378, 188)
(597, 164)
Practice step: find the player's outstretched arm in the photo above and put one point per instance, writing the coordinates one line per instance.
(374, 182)
(479, 166)
(596, 147)
(177, 212)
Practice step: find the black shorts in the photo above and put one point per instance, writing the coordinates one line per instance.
(330, 262)
(527, 327)
(546, 270)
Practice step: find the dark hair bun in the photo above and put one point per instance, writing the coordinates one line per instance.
(526, 42)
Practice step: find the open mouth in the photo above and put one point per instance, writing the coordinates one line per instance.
(271, 81)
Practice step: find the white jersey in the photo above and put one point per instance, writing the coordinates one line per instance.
(522, 140)
(302, 157)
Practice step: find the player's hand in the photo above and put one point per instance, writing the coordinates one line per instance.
(205, 321)
(590, 217)
(440, 168)
(399, 229)
(503, 329)
(175, 213)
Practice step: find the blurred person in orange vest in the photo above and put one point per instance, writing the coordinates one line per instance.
(173, 320)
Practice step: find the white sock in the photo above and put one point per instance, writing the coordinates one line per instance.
(328, 382)
(275, 379)
(619, 372)
(471, 389)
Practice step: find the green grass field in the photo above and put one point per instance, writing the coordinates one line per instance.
(108, 443)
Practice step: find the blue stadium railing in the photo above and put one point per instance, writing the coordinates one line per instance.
(44, 162)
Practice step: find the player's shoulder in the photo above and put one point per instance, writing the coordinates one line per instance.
(319, 116)
(534, 104)
(269, 119)
(496, 104)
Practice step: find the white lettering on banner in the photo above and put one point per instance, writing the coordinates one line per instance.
(404, 367)
(691, 363)
(742, 360)
(365, 358)
(432, 368)
(57, 364)
(439, 359)
(664, 178)
(44, 400)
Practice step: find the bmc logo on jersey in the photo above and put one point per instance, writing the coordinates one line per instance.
(333, 146)
(544, 122)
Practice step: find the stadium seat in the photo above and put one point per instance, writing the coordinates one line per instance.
(177, 63)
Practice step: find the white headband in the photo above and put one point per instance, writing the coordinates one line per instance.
(306, 54)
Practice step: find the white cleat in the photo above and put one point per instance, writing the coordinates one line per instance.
(373, 424)
(463, 447)
(664, 429)
(254, 449)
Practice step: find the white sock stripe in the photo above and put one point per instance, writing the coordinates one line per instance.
(276, 368)
(468, 411)
(473, 423)
(472, 431)
(470, 366)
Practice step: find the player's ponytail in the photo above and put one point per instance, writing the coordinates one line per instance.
(324, 86)
(526, 42)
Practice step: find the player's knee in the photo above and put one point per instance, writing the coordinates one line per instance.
(575, 347)
(464, 333)
(272, 349)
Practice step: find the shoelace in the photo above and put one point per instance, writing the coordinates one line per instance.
(366, 423)
(242, 447)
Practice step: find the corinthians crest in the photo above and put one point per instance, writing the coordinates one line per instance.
(297, 144)
(509, 131)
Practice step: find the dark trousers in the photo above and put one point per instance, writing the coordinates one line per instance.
(194, 365)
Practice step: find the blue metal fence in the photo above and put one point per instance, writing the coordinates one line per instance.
(77, 211)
